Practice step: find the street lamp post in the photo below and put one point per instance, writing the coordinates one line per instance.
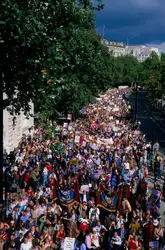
(136, 93)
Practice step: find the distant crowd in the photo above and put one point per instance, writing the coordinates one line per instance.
(104, 153)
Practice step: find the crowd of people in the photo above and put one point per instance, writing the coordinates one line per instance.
(104, 148)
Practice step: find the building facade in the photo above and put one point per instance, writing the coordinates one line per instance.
(140, 52)
(14, 127)
(116, 48)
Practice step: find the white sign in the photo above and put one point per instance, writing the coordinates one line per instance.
(18, 159)
(116, 109)
(69, 117)
(123, 87)
(65, 124)
(69, 127)
(77, 139)
(69, 243)
(115, 129)
(85, 188)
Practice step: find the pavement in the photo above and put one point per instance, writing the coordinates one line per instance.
(154, 129)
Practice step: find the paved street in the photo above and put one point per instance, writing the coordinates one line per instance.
(152, 126)
(154, 129)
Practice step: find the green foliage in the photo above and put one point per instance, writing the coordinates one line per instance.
(153, 75)
(33, 37)
(52, 55)
(129, 69)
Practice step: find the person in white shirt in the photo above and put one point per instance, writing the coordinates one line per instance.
(94, 213)
(98, 227)
(26, 245)
(24, 201)
(23, 230)
(119, 222)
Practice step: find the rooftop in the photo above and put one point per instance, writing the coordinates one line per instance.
(114, 43)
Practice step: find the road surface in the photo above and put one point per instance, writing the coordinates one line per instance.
(153, 127)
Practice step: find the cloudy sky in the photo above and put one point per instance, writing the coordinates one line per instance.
(138, 22)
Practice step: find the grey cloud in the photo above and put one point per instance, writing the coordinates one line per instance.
(160, 46)
(142, 20)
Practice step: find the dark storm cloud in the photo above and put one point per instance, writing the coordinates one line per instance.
(141, 21)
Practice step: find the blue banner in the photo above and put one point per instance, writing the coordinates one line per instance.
(114, 179)
(66, 196)
(109, 200)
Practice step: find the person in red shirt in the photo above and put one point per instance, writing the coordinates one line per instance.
(30, 192)
(26, 179)
(49, 166)
(133, 244)
(148, 215)
(148, 232)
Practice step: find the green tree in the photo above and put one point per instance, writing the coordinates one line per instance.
(130, 69)
(32, 37)
(151, 75)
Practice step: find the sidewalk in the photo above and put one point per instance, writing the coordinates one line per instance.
(160, 181)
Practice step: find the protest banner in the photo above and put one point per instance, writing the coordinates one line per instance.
(85, 188)
(77, 139)
(69, 127)
(65, 125)
(154, 245)
(65, 196)
(155, 196)
(69, 243)
(142, 188)
(84, 144)
(107, 199)
(114, 179)
(73, 162)
(116, 109)
(69, 117)
(126, 192)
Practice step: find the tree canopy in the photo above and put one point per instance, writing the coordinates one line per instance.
(152, 75)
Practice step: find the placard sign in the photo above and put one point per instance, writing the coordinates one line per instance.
(65, 125)
(77, 139)
(69, 117)
(73, 162)
(69, 243)
(154, 245)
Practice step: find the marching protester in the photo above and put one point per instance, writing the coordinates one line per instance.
(89, 186)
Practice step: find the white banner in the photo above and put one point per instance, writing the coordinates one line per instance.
(77, 139)
(69, 243)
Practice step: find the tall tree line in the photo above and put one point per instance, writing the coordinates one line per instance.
(152, 75)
